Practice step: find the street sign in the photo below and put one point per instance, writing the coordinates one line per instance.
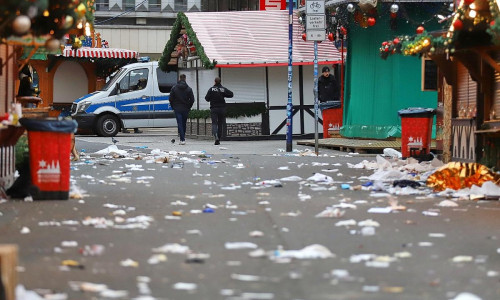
(315, 22)
(315, 35)
(315, 7)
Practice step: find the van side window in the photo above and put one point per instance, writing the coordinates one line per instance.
(166, 80)
(134, 80)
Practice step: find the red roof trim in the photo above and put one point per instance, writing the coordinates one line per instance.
(276, 64)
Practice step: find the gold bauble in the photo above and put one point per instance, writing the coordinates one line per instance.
(68, 22)
(81, 9)
(77, 43)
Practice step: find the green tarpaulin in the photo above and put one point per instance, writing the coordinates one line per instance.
(375, 89)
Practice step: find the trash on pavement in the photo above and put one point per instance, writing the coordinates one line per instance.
(314, 251)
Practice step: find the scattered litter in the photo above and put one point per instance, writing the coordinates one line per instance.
(368, 231)
(369, 222)
(466, 296)
(330, 212)
(157, 258)
(437, 235)
(129, 263)
(380, 210)
(172, 248)
(256, 233)
(239, 245)
(186, 286)
(346, 223)
(198, 258)
(447, 203)
(321, 179)
(462, 258)
(430, 213)
(315, 251)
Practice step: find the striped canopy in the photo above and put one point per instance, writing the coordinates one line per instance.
(89, 52)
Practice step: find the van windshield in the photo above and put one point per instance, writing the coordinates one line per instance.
(112, 80)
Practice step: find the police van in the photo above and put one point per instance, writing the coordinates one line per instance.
(136, 96)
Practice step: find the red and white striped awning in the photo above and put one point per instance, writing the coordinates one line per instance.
(100, 52)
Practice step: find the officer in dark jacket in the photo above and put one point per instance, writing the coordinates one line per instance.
(328, 87)
(26, 82)
(181, 100)
(216, 96)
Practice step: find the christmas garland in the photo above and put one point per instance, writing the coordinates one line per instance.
(46, 17)
(183, 21)
(464, 30)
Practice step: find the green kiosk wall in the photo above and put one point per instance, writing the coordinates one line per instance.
(375, 89)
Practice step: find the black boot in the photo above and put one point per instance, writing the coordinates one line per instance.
(22, 187)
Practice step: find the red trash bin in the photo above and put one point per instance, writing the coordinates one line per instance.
(332, 117)
(49, 151)
(416, 130)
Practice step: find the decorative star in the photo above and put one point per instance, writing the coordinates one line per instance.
(42, 163)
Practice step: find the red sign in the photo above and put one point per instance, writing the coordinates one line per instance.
(273, 4)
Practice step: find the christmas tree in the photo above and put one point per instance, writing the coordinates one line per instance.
(48, 19)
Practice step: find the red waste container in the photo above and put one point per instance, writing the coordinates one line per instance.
(49, 151)
(416, 130)
(331, 112)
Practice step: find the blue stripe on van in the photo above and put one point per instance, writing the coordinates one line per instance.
(85, 96)
(161, 103)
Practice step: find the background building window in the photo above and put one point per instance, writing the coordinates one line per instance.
(154, 5)
(180, 5)
(102, 5)
(128, 4)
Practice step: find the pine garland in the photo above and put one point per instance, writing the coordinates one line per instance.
(183, 21)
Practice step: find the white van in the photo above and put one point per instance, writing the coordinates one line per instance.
(136, 96)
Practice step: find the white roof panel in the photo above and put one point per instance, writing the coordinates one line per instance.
(255, 37)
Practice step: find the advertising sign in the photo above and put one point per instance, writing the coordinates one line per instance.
(273, 4)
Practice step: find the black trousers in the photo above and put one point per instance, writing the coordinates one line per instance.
(218, 115)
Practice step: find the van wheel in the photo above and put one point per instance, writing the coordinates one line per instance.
(107, 125)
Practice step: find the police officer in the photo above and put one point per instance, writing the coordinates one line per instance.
(216, 96)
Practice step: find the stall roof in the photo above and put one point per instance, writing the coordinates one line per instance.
(252, 38)
(89, 52)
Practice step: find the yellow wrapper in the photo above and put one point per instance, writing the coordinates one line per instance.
(457, 175)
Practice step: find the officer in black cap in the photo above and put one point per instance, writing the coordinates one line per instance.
(328, 86)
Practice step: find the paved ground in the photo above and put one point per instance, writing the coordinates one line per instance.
(133, 208)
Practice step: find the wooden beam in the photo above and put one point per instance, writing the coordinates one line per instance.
(486, 56)
(8, 265)
(446, 67)
(472, 62)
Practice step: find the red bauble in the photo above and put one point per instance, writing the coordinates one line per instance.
(330, 37)
(492, 23)
(396, 41)
(420, 29)
(304, 37)
(468, 2)
(384, 43)
(343, 30)
(371, 21)
(386, 49)
(458, 24)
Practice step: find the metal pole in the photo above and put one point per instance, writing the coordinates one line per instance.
(316, 146)
(289, 106)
